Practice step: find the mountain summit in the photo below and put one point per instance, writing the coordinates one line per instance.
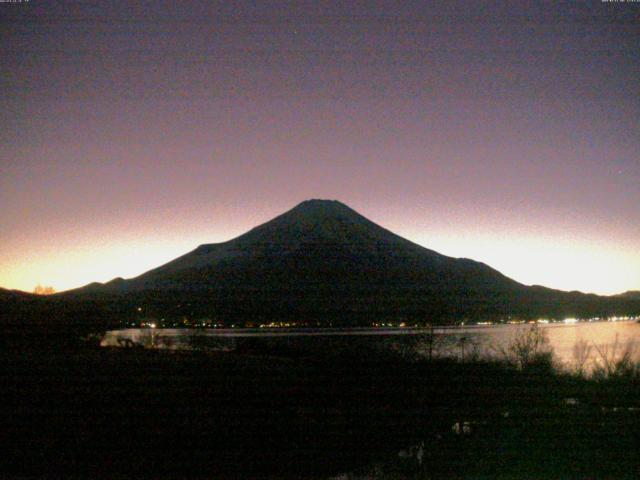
(323, 262)
(320, 243)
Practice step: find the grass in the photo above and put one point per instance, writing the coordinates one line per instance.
(272, 411)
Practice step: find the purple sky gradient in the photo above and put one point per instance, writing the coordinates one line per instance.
(500, 131)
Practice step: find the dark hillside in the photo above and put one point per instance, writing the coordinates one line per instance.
(323, 262)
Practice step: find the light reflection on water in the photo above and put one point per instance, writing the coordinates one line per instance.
(563, 338)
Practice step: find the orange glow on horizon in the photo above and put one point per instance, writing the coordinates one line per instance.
(552, 262)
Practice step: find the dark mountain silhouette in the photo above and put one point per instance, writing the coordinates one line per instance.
(311, 243)
(323, 262)
(14, 294)
(6, 294)
(631, 294)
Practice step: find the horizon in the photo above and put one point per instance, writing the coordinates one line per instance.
(506, 133)
(56, 290)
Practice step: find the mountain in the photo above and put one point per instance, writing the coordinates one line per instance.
(14, 295)
(322, 262)
(631, 294)
(6, 294)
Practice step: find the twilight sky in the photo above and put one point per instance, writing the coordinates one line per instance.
(506, 132)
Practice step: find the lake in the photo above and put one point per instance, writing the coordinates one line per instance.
(569, 341)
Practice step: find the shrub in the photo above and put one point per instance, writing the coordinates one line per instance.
(528, 349)
(581, 356)
(611, 365)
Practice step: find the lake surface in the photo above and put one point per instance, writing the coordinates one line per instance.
(601, 338)
(569, 341)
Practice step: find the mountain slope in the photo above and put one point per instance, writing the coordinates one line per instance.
(631, 294)
(315, 239)
(324, 262)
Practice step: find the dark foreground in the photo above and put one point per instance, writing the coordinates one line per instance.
(136, 413)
